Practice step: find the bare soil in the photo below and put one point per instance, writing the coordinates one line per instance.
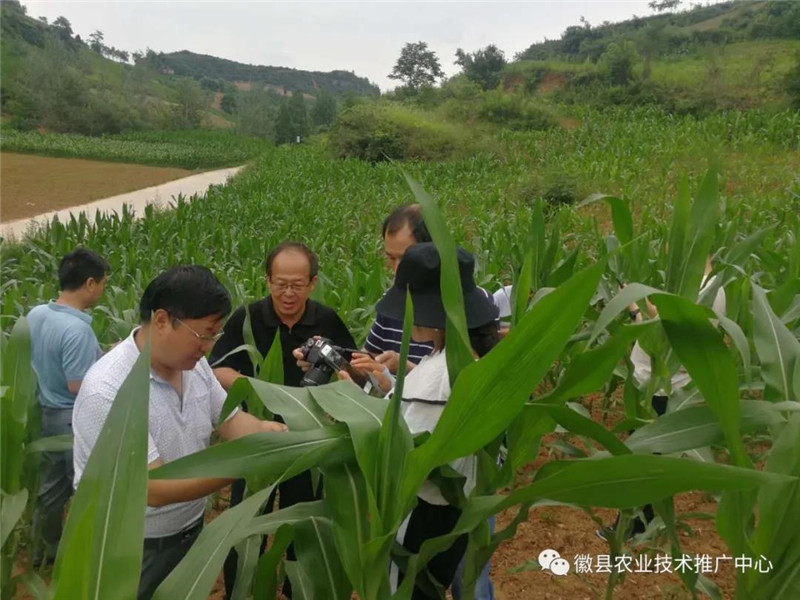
(31, 185)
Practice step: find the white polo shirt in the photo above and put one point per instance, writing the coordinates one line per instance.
(176, 426)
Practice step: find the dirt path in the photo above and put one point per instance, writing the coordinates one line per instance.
(160, 186)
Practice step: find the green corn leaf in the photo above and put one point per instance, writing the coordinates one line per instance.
(774, 536)
(591, 369)
(53, 443)
(268, 455)
(777, 349)
(316, 552)
(621, 216)
(20, 383)
(702, 351)
(492, 391)
(195, 575)
(634, 292)
(459, 351)
(11, 508)
(100, 553)
(394, 442)
(272, 368)
(247, 551)
(294, 404)
(265, 584)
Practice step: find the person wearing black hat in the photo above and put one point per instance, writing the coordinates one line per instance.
(427, 388)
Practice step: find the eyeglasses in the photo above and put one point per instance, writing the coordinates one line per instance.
(282, 286)
(200, 336)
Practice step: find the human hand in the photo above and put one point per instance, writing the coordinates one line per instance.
(273, 427)
(391, 360)
(304, 365)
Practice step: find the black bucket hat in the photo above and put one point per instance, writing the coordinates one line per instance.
(420, 270)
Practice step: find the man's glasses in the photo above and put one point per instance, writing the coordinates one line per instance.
(282, 286)
(200, 336)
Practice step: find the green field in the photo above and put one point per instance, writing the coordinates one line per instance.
(517, 203)
(186, 149)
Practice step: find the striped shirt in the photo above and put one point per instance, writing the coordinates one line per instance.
(386, 335)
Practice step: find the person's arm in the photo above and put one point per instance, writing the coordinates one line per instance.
(242, 423)
(161, 492)
(226, 376)
(74, 386)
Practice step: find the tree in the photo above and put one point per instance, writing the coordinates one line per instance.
(189, 105)
(325, 108)
(96, 41)
(256, 112)
(292, 121)
(662, 5)
(483, 66)
(617, 62)
(417, 66)
(63, 29)
(228, 103)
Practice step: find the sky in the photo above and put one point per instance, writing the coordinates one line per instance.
(363, 37)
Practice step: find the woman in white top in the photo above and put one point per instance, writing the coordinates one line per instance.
(427, 388)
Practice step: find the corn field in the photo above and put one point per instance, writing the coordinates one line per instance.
(581, 265)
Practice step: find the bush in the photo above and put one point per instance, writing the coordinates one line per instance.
(555, 186)
(381, 131)
(514, 111)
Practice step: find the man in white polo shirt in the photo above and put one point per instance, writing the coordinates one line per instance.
(182, 312)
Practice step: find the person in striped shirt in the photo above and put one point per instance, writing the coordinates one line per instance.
(401, 229)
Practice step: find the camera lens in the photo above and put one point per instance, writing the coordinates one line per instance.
(319, 375)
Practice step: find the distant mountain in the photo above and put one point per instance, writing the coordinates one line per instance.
(200, 66)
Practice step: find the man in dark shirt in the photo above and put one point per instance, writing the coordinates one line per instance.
(291, 275)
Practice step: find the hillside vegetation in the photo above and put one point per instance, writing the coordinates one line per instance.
(52, 79)
(199, 66)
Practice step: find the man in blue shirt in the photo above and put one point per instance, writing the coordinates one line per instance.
(64, 347)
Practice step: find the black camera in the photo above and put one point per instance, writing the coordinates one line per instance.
(325, 358)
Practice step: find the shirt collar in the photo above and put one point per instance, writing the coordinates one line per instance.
(86, 318)
(129, 343)
(309, 316)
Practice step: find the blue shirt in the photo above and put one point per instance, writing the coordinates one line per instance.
(64, 347)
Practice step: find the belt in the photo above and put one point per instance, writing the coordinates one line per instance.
(160, 543)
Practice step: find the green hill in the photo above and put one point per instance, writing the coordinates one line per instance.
(677, 33)
(52, 79)
(730, 55)
(199, 66)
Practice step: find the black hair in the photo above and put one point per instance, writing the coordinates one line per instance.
(185, 292)
(80, 265)
(313, 261)
(484, 338)
(407, 215)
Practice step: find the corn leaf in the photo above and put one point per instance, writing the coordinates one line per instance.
(492, 391)
(777, 349)
(195, 575)
(100, 554)
(267, 455)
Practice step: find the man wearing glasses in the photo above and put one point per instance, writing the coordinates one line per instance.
(291, 275)
(181, 315)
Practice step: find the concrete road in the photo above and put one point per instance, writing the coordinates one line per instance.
(158, 194)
